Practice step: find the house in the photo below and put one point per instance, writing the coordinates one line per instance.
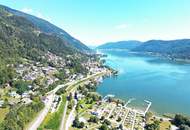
(26, 100)
(13, 94)
(95, 113)
(1, 103)
(25, 95)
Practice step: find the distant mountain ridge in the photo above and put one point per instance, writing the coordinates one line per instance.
(120, 45)
(172, 48)
(49, 28)
(179, 49)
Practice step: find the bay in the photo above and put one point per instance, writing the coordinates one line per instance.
(163, 82)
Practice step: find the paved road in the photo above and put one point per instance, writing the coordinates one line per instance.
(64, 116)
(133, 125)
(43, 113)
(71, 117)
(36, 123)
(50, 95)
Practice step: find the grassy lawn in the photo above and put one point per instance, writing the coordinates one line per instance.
(86, 107)
(68, 89)
(3, 112)
(165, 125)
(53, 120)
(75, 86)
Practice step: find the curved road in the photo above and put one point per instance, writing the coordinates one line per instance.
(38, 120)
(43, 113)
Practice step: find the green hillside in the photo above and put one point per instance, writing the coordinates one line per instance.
(173, 48)
(120, 45)
(21, 39)
(49, 28)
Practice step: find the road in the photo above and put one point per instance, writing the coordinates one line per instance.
(71, 117)
(43, 113)
(64, 116)
(133, 125)
(50, 96)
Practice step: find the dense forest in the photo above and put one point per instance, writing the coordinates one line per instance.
(173, 49)
(49, 28)
(120, 45)
(182, 122)
(21, 39)
(19, 116)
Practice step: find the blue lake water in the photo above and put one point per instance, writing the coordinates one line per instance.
(165, 83)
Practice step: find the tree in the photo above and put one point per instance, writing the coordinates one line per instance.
(119, 119)
(121, 127)
(21, 86)
(82, 124)
(20, 115)
(93, 119)
(61, 75)
(77, 123)
(77, 107)
(184, 127)
(71, 104)
(107, 122)
(181, 120)
(148, 116)
(102, 118)
(70, 97)
(61, 91)
(104, 127)
(153, 126)
(6, 103)
(7, 74)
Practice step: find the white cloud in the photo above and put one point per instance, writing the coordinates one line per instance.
(27, 10)
(35, 13)
(40, 15)
(121, 26)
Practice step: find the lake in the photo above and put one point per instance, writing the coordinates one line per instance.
(163, 82)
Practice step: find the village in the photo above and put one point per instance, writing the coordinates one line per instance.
(36, 78)
(57, 86)
(112, 114)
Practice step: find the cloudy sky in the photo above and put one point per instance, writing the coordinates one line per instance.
(98, 21)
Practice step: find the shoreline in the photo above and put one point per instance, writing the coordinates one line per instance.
(156, 114)
(162, 56)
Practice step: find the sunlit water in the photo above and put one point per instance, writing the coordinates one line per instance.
(165, 83)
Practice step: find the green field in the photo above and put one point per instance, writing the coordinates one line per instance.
(3, 112)
(53, 120)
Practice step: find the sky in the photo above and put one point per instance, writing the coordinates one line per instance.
(96, 22)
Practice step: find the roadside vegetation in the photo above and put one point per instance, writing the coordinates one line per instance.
(182, 122)
(19, 116)
(53, 120)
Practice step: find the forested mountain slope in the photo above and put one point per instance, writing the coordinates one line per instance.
(120, 45)
(21, 39)
(173, 48)
(49, 28)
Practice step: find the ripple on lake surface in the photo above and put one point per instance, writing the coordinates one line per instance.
(165, 83)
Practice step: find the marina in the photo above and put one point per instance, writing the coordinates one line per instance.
(119, 114)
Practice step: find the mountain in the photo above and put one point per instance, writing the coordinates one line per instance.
(21, 38)
(120, 45)
(179, 49)
(173, 48)
(49, 28)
